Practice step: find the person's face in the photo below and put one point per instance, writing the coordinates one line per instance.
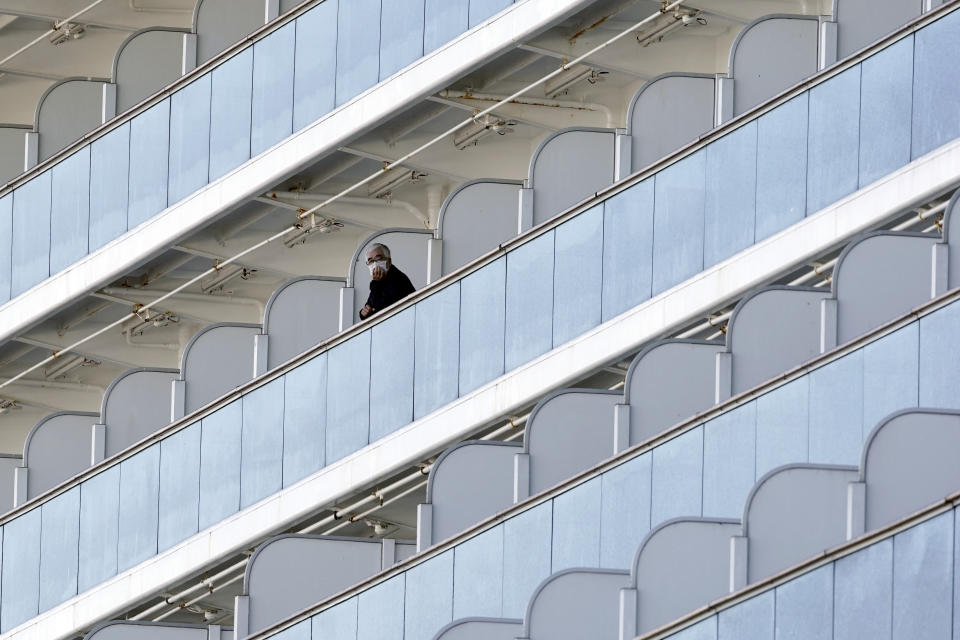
(377, 263)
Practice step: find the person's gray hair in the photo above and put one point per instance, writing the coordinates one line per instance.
(384, 248)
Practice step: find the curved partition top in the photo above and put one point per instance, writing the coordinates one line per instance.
(477, 216)
(579, 609)
(500, 314)
(479, 628)
(157, 61)
(789, 54)
(130, 629)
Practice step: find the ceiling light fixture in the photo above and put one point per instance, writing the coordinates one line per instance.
(471, 134)
(312, 224)
(563, 81)
(383, 186)
(668, 22)
(66, 32)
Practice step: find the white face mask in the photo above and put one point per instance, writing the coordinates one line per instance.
(379, 263)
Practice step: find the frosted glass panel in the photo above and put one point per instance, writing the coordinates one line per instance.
(836, 411)
(939, 361)
(21, 570)
(401, 39)
(678, 222)
(576, 527)
(731, 194)
(179, 486)
(437, 350)
(834, 139)
(109, 175)
(428, 602)
(189, 138)
(304, 419)
(627, 249)
(391, 374)
(380, 611)
(480, 10)
(890, 372)
(220, 464)
(99, 514)
(59, 548)
(231, 86)
(577, 276)
(886, 97)
(445, 20)
(478, 575)
(348, 399)
(261, 469)
(358, 48)
(337, 622)
(624, 511)
(862, 593)
(139, 494)
(482, 318)
(936, 82)
(781, 167)
(782, 420)
(923, 580)
(31, 234)
(677, 478)
(526, 557)
(70, 211)
(529, 301)
(272, 89)
(805, 607)
(6, 238)
(729, 442)
(750, 620)
(315, 64)
(149, 141)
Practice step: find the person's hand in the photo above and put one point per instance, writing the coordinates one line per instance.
(366, 311)
(378, 273)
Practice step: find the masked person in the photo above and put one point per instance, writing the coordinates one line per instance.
(387, 283)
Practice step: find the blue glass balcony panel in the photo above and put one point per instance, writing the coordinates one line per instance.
(678, 478)
(31, 234)
(729, 458)
(358, 48)
(179, 486)
(627, 249)
(401, 34)
(6, 231)
(348, 398)
(834, 133)
(220, 464)
(109, 186)
(304, 419)
(578, 273)
(482, 325)
(391, 374)
(69, 210)
(886, 100)
(231, 85)
(782, 167)
(478, 576)
(149, 141)
(445, 20)
(139, 499)
(731, 194)
(99, 516)
(480, 10)
(261, 451)
(624, 511)
(428, 598)
(380, 611)
(315, 64)
(189, 139)
(273, 70)
(529, 315)
(936, 85)
(863, 585)
(437, 343)
(20, 572)
(678, 222)
(576, 527)
(59, 548)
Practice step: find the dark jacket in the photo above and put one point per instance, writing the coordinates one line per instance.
(392, 287)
